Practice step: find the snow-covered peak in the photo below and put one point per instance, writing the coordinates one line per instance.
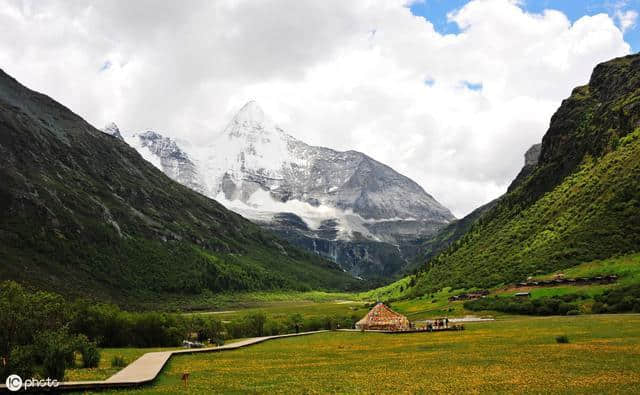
(316, 197)
(113, 130)
(251, 111)
(249, 120)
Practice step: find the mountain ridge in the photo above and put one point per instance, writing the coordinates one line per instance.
(353, 209)
(83, 205)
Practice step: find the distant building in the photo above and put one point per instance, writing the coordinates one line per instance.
(383, 318)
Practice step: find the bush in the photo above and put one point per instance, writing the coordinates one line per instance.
(55, 350)
(21, 361)
(89, 351)
(618, 300)
(562, 339)
(330, 323)
(598, 308)
(118, 361)
(255, 323)
(542, 306)
(272, 328)
(208, 328)
(573, 312)
(295, 322)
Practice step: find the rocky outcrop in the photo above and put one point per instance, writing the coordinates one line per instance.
(531, 158)
(174, 162)
(113, 130)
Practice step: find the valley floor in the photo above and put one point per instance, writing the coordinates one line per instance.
(512, 354)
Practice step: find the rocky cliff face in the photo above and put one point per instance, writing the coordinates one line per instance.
(531, 158)
(113, 130)
(532, 155)
(164, 153)
(338, 198)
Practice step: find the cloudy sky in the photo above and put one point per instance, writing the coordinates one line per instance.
(448, 92)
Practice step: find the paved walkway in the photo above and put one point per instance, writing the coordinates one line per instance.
(146, 368)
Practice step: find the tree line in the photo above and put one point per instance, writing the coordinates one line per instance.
(41, 333)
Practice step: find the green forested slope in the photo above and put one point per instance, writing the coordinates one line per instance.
(446, 236)
(82, 213)
(580, 203)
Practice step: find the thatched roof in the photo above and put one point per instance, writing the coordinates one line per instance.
(383, 318)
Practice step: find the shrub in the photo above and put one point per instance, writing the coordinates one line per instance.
(330, 323)
(573, 312)
(562, 339)
(618, 300)
(274, 328)
(208, 328)
(21, 361)
(89, 351)
(54, 365)
(542, 306)
(255, 323)
(55, 350)
(118, 361)
(296, 321)
(598, 307)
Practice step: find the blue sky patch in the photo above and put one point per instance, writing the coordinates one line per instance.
(473, 86)
(435, 11)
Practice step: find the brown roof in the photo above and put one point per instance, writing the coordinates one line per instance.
(383, 318)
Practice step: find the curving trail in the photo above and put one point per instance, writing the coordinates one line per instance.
(146, 368)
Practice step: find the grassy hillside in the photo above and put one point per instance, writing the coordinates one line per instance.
(83, 214)
(446, 236)
(580, 203)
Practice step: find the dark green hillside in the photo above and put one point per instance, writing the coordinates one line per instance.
(447, 236)
(580, 203)
(83, 214)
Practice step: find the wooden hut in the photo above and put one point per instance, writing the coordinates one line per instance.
(383, 318)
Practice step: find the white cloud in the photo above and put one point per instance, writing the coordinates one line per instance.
(626, 19)
(318, 69)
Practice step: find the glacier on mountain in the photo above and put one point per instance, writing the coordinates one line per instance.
(309, 195)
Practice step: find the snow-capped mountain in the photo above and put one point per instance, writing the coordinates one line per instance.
(112, 129)
(343, 205)
(164, 154)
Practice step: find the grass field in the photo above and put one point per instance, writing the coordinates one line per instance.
(308, 309)
(415, 309)
(510, 355)
(104, 369)
(318, 304)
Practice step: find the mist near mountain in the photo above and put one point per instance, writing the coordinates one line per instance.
(345, 206)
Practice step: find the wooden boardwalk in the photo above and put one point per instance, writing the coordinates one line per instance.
(146, 368)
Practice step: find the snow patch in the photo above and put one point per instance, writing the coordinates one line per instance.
(262, 207)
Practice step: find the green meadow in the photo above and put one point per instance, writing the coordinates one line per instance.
(511, 351)
(284, 309)
(104, 370)
(513, 354)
